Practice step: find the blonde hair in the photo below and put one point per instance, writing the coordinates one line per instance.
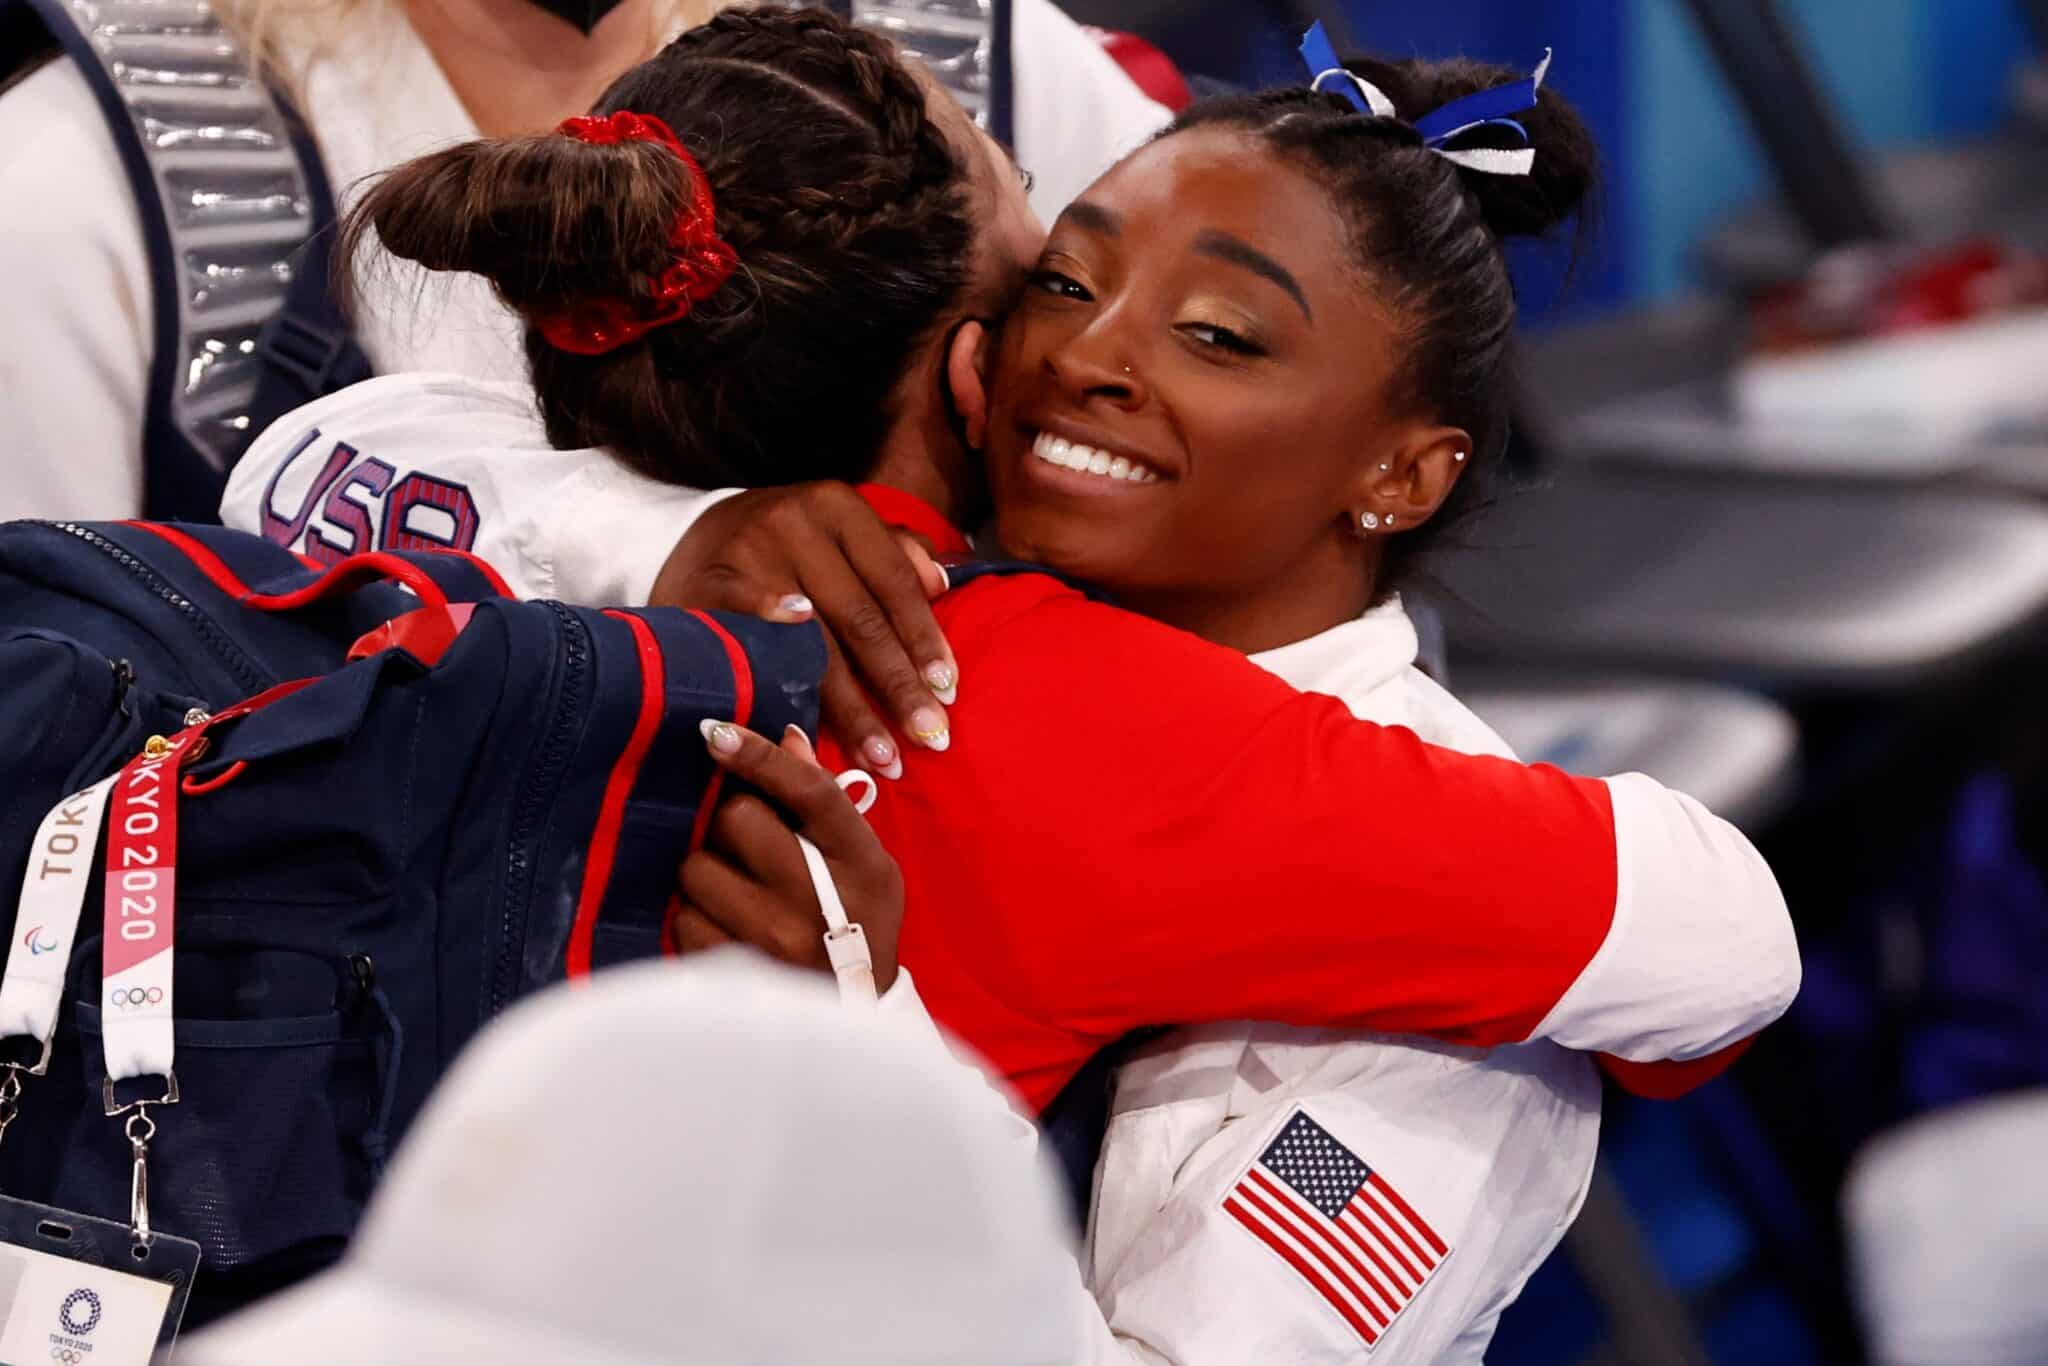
(283, 38)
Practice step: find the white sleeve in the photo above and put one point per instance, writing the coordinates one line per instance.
(1077, 112)
(1235, 1268)
(76, 344)
(1701, 953)
(397, 455)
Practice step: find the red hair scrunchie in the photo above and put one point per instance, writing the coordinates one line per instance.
(703, 261)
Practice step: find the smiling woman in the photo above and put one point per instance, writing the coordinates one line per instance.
(1294, 317)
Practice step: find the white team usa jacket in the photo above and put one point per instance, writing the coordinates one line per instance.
(1306, 1196)
(1443, 1176)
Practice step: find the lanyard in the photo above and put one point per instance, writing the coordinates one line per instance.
(46, 917)
(846, 944)
(139, 928)
(45, 924)
(137, 1026)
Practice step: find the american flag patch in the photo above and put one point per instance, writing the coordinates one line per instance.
(1338, 1224)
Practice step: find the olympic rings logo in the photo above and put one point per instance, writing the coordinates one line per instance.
(79, 1326)
(130, 997)
(69, 1356)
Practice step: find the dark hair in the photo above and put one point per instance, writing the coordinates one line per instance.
(846, 204)
(1428, 232)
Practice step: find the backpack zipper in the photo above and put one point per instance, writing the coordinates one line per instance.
(536, 800)
(238, 663)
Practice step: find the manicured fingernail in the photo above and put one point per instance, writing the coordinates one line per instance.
(795, 605)
(943, 682)
(928, 726)
(882, 756)
(722, 737)
(803, 741)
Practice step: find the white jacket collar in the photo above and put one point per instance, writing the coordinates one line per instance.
(1352, 659)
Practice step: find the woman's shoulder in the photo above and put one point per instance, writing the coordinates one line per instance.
(428, 406)
(1442, 719)
(1022, 609)
(406, 420)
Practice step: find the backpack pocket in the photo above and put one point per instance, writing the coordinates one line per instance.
(287, 1066)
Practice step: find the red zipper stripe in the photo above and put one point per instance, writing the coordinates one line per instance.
(743, 712)
(611, 814)
(344, 572)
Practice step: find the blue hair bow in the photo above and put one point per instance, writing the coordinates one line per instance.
(1486, 109)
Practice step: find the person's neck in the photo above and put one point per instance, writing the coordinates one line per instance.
(1334, 583)
(924, 459)
(518, 69)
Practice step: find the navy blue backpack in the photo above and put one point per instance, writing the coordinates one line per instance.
(472, 797)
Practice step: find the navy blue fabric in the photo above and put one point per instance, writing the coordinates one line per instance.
(960, 573)
(401, 855)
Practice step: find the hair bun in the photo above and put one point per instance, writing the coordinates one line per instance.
(550, 221)
(1513, 206)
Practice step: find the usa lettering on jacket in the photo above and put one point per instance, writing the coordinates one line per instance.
(356, 503)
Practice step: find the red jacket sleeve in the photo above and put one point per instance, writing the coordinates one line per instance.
(1670, 1079)
(1162, 832)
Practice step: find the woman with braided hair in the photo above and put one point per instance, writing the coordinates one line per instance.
(1235, 371)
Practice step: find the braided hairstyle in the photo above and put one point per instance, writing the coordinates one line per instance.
(847, 206)
(1426, 233)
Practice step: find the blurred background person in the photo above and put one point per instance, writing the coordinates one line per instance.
(711, 1162)
(1947, 1220)
(170, 282)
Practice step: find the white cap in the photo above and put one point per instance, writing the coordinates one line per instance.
(709, 1162)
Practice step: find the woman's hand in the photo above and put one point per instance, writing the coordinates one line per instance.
(787, 554)
(749, 883)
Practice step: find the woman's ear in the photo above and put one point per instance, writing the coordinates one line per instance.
(1407, 480)
(967, 361)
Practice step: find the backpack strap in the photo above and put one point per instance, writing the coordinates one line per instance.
(235, 212)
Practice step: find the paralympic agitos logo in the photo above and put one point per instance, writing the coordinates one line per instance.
(36, 942)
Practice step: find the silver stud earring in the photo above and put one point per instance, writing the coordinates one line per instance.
(1390, 521)
(1370, 521)
(1385, 468)
(1458, 456)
